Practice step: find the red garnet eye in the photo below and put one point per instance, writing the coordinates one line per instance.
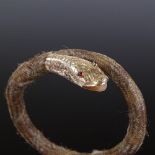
(80, 74)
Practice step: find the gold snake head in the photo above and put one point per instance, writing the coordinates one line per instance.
(79, 71)
(91, 76)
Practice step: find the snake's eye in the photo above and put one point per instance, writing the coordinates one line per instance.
(80, 74)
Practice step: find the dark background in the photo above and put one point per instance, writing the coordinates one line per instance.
(67, 114)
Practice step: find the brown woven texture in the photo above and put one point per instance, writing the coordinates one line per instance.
(30, 70)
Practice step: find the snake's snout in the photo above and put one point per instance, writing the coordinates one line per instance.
(98, 86)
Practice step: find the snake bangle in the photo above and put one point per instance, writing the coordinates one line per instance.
(89, 70)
